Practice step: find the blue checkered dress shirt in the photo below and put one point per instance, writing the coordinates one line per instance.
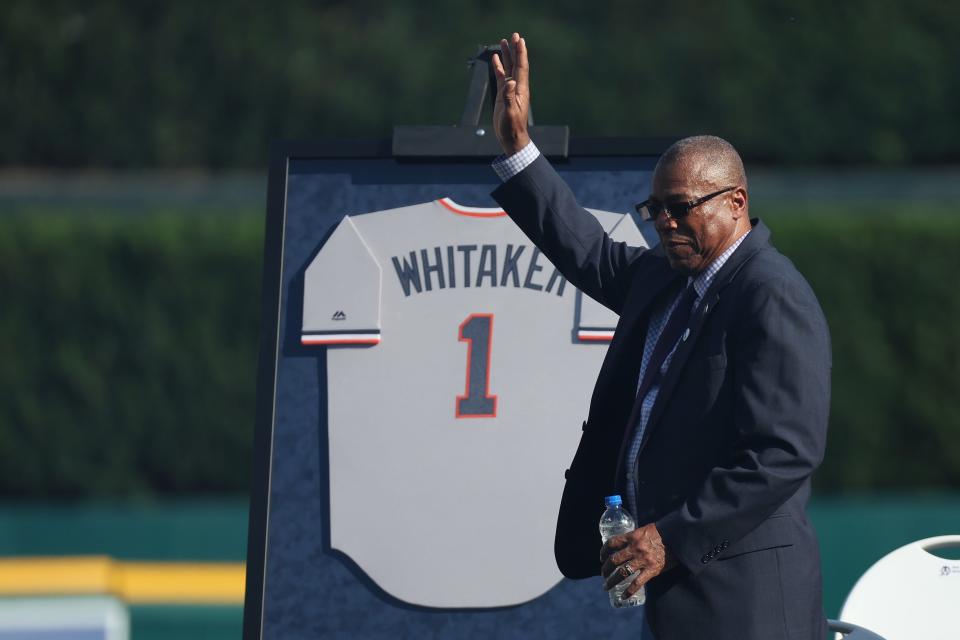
(508, 166)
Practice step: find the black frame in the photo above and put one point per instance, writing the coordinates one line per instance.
(281, 153)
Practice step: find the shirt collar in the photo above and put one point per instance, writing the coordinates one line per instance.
(705, 278)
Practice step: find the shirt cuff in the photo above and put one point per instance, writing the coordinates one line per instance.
(508, 166)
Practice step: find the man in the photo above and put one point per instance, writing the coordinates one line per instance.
(710, 411)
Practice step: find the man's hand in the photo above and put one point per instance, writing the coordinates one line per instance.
(512, 106)
(640, 551)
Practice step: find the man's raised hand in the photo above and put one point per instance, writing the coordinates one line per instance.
(512, 107)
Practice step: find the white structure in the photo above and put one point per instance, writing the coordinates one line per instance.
(910, 593)
(78, 618)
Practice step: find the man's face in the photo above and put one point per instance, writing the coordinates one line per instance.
(694, 241)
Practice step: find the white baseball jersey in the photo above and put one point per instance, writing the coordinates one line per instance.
(459, 367)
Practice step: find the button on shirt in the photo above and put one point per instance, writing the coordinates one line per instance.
(508, 166)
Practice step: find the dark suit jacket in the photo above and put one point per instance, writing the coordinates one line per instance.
(738, 426)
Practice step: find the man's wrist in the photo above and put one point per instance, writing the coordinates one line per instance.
(515, 145)
(507, 166)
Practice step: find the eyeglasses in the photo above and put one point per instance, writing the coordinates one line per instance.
(650, 209)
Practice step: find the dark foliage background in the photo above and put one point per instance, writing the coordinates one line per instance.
(130, 333)
(130, 350)
(130, 357)
(173, 84)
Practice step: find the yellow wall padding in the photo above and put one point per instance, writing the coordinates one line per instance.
(133, 582)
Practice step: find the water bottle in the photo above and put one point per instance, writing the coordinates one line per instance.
(615, 521)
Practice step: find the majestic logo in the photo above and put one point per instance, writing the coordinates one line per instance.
(339, 315)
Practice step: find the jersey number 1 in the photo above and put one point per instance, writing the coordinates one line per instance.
(477, 402)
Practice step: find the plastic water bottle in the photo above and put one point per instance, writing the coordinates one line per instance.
(615, 521)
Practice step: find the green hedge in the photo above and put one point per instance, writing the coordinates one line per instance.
(176, 84)
(130, 344)
(888, 285)
(132, 354)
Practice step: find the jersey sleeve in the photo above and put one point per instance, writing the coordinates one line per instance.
(341, 291)
(596, 322)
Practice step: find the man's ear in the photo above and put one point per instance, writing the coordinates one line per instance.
(740, 201)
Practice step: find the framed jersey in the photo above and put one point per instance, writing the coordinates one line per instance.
(424, 371)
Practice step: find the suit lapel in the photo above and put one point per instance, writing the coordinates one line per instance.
(758, 238)
(632, 328)
(650, 289)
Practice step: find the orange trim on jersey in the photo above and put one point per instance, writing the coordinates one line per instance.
(585, 337)
(473, 212)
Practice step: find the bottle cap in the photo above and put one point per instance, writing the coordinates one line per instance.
(613, 501)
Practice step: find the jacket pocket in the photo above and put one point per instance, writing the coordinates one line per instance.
(779, 530)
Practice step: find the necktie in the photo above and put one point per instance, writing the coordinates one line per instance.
(668, 338)
(676, 323)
